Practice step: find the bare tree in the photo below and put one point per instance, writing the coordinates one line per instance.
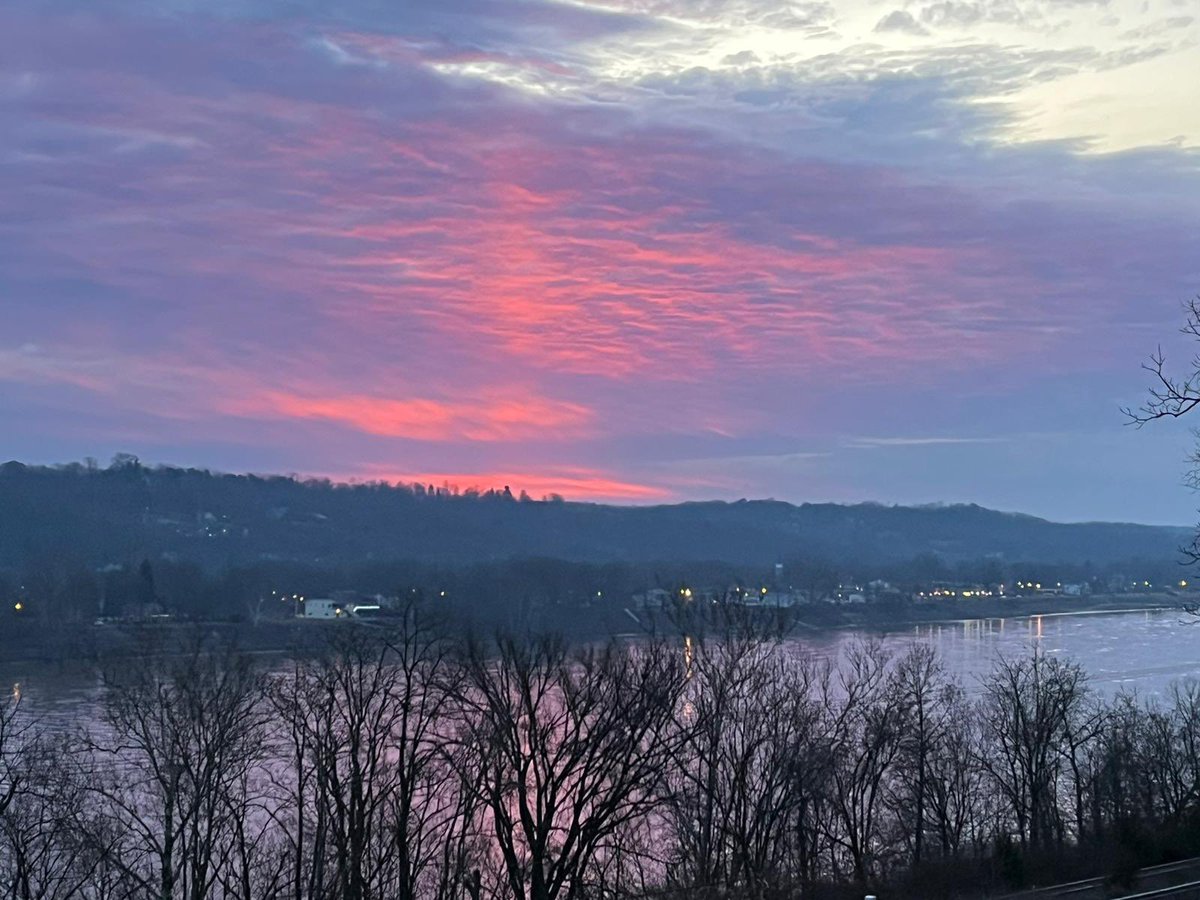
(301, 814)
(867, 724)
(1173, 397)
(179, 735)
(955, 792)
(49, 847)
(1169, 757)
(573, 749)
(720, 675)
(342, 711)
(13, 733)
(1084, 722)
(1114, 767)
(1029, 707)
(927, 702)
(427, 812)
(374, 792)
(742, 780)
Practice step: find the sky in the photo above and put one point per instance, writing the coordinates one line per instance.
(634, 251)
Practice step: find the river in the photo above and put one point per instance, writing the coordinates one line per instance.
(1137, 650)
(1143, 650)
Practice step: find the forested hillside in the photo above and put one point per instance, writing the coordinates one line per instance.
(127, 511)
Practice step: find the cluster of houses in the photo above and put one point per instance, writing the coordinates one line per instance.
(949, 590)
(878, 591)
(350, 605)
(767, 597)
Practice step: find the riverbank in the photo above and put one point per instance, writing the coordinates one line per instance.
(39, 642)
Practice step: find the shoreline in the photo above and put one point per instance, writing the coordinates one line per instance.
(886, 620)
(915, 615)
(91, 644)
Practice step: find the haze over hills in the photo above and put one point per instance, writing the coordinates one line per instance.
(129, 511)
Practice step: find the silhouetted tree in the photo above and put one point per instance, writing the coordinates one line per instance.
(1030, 707)
(374, 797)
(1174, 396)
(181, 735)
(573, 750)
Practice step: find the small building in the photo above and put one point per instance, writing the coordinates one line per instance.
(325, 608)
(322, 608)
(778, 599)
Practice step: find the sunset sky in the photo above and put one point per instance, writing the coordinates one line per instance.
(623, 250)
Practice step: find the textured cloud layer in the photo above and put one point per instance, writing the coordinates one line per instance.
(636, 250)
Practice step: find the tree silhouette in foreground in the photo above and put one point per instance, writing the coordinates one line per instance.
(402, 763)
(1173, 397)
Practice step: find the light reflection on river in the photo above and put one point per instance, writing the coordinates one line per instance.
(1144, 651)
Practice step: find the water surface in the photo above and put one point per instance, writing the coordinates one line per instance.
(1143, 650)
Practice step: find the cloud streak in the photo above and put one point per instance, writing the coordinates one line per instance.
(875, 443)
(500, 419)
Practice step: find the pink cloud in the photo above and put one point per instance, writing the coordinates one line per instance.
(510, 418)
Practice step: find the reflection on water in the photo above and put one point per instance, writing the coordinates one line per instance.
(1143, 650)
(56, 695)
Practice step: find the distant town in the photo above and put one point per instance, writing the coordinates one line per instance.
(351, 605)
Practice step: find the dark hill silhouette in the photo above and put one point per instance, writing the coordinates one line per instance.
(130, 511)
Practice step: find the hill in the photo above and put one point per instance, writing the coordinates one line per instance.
(130, 511)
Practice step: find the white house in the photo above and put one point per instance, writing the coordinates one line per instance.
(321, 608)
(324, 608)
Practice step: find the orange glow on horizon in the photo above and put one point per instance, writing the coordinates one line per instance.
(571, 484)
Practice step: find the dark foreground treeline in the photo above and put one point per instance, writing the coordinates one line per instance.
(401, 764)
